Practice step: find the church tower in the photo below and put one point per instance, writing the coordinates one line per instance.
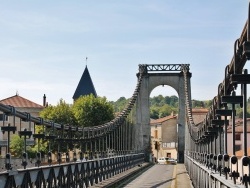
(85, 85)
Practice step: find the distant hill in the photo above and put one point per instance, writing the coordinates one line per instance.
(161, 106)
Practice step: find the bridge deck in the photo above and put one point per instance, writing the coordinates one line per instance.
(167, 176)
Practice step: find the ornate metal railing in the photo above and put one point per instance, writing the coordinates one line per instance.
(90, 142)
(77, 174)
(207, 159)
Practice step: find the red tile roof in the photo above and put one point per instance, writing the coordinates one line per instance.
(199, 110)
(160, 120)
(18, 101)
(199, 114)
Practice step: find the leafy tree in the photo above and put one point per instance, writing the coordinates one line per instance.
(154, 112)
(157, 101)
(17, 145)
(91, 111)
(207, 103)
(174, 101)
(61, 113)
(166, 110)
(42, 146)
(120, 104)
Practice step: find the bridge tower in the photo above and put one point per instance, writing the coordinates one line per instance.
(153, 76)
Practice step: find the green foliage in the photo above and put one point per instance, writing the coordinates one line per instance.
(61, 113)
(86, 111)
(91, 111)
(154, 112)
(239, 112)
(31, 153)
(16, 145)
(120, 104)
(166, 110)
(161, 106)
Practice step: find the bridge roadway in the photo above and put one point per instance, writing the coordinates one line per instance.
(162, 176)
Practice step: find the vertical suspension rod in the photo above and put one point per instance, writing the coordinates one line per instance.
(233, 124)
(244, 94)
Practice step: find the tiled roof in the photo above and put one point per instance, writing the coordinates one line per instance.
(199, 114)
(85, 86)
(160, 120)
(18, 101)
(199, 110)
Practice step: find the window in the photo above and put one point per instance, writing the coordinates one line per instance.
(3, 116)
(237, 137)
(169, 144)
(169, 155)
(156, 133)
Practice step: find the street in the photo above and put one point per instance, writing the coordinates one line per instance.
(157, 176)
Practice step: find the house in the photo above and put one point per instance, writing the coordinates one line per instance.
(238, 137)
(164, 133)
(164, 136)
(23, 105)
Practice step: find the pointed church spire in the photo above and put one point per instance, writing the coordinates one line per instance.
(85, 85)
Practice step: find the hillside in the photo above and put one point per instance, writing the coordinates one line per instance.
(161, 106)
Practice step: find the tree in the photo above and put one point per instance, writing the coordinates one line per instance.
(17, 145)
(91, 111)
(120, 104)
(166, 110)
(154, 112)
(61, 113)
(42, 146)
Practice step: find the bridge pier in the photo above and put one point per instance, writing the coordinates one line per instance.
(142, 128)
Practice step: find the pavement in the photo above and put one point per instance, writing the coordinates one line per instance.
(163, 176)
(180, 177)
(157, 176)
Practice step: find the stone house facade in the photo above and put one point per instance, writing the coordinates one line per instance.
(164, 133)
(164, 136)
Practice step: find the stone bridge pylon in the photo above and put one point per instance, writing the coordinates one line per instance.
(153, 76)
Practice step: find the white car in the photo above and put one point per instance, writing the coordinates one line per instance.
(162, 160)
(171, 161)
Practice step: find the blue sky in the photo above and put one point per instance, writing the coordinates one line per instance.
(43, 44)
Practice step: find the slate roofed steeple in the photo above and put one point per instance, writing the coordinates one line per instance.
(85, 85)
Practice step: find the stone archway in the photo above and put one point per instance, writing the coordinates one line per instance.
(149, 82)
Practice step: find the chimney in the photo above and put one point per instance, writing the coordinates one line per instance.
(44, 100)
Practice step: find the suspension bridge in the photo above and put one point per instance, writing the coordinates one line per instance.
(203, 147)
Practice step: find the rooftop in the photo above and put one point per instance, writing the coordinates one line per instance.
(161, 120)
(21, 102)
